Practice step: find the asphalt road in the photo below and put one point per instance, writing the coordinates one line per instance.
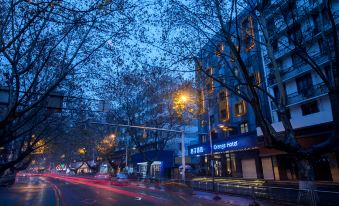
(52, 190)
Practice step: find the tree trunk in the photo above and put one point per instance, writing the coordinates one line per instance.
(307, 188)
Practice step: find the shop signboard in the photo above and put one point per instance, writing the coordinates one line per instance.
(242, 142)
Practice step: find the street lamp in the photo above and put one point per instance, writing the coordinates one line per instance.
(180, 102)
(82, 151)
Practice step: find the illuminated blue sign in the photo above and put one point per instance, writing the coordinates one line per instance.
(199, 149)
(224, 145)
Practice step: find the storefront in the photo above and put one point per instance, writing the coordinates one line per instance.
(233, 157)
(160, 163)
(278, 165)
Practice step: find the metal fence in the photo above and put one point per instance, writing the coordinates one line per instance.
(281, 195)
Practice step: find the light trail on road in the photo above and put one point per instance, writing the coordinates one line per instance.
(103, 185)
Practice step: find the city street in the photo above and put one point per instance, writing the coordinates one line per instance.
(61, 190)
(169, 103)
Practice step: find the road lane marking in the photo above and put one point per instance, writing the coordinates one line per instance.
(112, 189)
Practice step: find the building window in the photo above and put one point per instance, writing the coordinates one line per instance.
(223, 106)
(294, 34)
(209, 81)
(309, 108)
(233, 56)
(274, 45)
(220, 49)
(223, 114)
(240, 108)
(211, 120)
(256, 78)
(248, 33)
(322, 46)
(202, 123)
(305, 85)
(201, 101)
(222, 96)
(288, 115)
(244, 127)
(203, 138)
(238, 89)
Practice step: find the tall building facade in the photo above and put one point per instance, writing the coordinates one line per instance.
(237, 147)
(310, 113)
(227, 124)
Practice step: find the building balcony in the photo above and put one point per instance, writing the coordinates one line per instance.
(302, 96)
(297, 69)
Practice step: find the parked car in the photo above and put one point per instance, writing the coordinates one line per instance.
(121, 179)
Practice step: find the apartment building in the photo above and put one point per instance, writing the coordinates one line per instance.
(227, 124)
(307, 96)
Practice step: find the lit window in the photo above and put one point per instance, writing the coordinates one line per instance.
(248, 33)
(220, 49)
(240, 108)
(222, 95)
(256, 78)
(209, 81)
(232, 56)
(223, 106)
(244, 128)
(201, 101)
(203, 138)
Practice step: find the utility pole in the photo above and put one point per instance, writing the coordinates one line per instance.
(216, 197)
(183, 161)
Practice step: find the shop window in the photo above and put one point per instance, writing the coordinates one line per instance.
(244, 127)
(310, 108)
(240, 108)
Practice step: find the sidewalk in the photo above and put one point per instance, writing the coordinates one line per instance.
(226, 199)
(231, 200)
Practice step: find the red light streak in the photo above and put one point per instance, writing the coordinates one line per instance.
(101, 185)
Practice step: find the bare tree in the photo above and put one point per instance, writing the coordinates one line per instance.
(42, 45)
(208, 23)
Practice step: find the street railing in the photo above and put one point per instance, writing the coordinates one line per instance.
(281, 195)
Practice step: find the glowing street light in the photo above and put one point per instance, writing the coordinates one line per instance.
(183, 98)
(82, 151)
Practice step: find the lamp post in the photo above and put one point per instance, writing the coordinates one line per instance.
(183, 161)
(180, 104)
(216, 197)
